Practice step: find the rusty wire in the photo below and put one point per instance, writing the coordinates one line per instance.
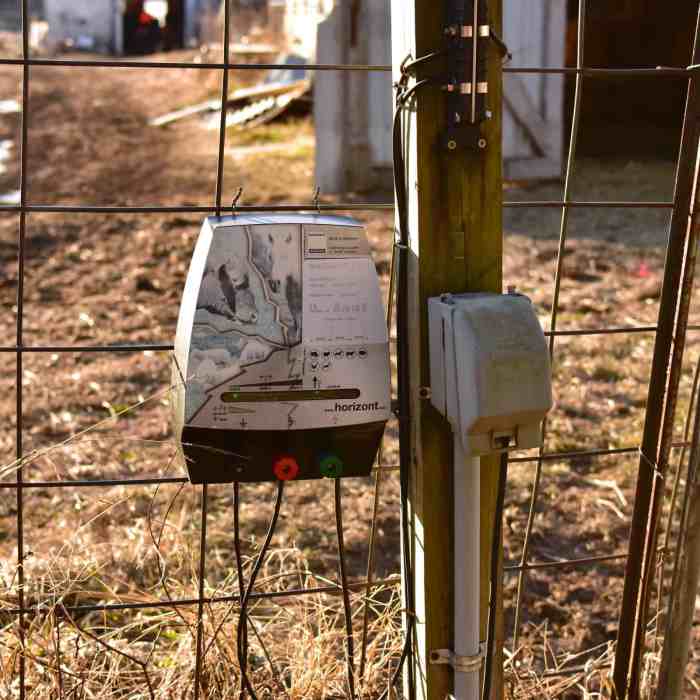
(662, 396)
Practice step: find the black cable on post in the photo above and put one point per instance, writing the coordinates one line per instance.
(403, 388)
(242, 622)
(493, 595)
(403, 380)
(242, 619)
(350, 642)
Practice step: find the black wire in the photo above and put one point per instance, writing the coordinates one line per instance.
(408, 67)
(350, 643)
(403, 382)
(242, 619)
(242, 622)
(501, 46)
(493, 595)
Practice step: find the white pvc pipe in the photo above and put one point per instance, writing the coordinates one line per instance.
(467, 504)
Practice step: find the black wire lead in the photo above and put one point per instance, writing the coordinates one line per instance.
(350, 642)
(403, 380)
(242, 619)
(242, 622)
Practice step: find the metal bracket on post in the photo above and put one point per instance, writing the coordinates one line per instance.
(467, 35)
(468, 136)
(461, 664)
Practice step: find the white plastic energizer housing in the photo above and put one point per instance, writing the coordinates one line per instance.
(281, 356)
(489, 369)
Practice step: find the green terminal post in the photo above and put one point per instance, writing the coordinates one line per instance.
(331, 466)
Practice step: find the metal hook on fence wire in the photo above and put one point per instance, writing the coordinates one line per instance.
(234, 201)
(316, 199)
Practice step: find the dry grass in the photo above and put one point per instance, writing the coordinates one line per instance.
(139, 545)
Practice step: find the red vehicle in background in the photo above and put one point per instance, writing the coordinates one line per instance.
(142, 32)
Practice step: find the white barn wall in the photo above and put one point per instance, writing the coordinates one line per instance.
(330, 103)
(353, 109)
(76, 20)
(353, 112)
(379, 98)
(533, 138)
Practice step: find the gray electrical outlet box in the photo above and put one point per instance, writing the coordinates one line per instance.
(489, 369)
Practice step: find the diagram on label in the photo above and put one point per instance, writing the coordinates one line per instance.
(291, 315)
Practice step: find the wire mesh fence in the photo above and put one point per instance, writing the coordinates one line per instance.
(204, 616)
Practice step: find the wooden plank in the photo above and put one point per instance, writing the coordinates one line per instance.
(178, 114)
(455, 240)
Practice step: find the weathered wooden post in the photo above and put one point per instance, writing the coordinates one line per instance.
(454, 201)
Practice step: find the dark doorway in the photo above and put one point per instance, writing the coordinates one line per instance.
(142, 31)
(641, 116)
(174, 35)
(152, 26)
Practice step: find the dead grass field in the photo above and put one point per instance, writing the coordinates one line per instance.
(96, 279)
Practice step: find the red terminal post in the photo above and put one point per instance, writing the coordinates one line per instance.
(285, 468)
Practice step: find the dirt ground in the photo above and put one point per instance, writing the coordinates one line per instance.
(116, 279)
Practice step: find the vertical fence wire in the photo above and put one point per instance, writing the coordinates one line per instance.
(682, 513)
(649, 551)
(563, 234)
(217, 198)
(376, 496)
(668, 528)
(224, 113)
(19, 409)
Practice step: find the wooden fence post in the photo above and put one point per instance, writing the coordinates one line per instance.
(455, 227)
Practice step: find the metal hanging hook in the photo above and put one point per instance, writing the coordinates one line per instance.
(317, 197)
(236, 197)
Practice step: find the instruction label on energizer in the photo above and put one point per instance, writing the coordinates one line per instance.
(289, 330)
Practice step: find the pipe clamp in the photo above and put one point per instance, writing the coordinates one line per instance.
(461, 664)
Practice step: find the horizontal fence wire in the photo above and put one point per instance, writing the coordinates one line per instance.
(336, 589)
(348, 206)
(560, 563)
(164, 347)
(616, 73)
(311, 206)
(107, 483)
(384, 468)
(25, 207)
